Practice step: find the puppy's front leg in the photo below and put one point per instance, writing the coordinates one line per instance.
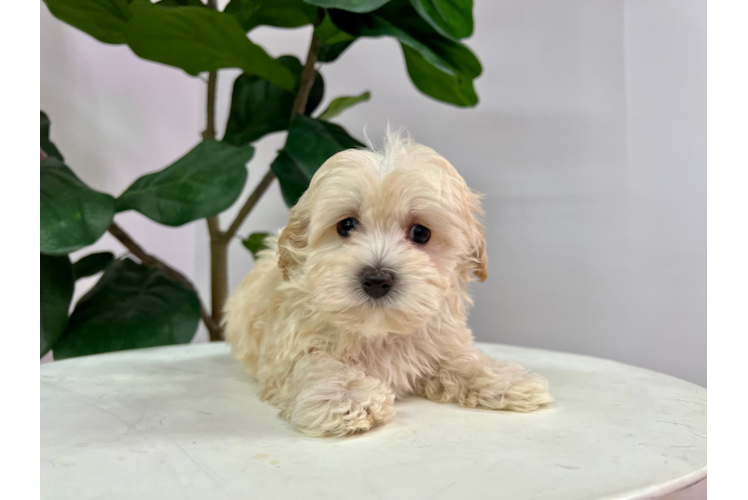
(471, 378)
(326, 397)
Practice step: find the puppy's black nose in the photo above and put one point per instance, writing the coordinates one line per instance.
(377, 282)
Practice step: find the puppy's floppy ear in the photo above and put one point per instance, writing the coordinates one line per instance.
(478, 256)
(293, 241)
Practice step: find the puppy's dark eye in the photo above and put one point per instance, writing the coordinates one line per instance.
(345, 226)
(420, 234)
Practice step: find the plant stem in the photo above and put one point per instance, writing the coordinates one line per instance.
(219, 275)
(219, 279)
(210, 125)
(171, 273)
(307, 77)
(219, 282)
(219, 272)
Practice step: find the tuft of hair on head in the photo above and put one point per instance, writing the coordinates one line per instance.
(397, 141)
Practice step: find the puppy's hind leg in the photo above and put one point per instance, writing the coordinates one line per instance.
(326, 397)
(471, 378)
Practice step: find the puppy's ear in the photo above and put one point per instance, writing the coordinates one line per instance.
(478, 256)
(293, 241)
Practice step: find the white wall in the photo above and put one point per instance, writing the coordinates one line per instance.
(589, 143)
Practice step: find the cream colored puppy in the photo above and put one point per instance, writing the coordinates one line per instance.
(362, 298)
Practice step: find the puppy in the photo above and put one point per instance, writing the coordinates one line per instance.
(362, 298)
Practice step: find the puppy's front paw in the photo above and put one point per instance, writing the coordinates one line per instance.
(330, 410)
(513, 389)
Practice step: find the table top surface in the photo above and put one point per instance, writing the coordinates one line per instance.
(186, 422)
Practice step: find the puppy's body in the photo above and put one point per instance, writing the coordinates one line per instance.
(330, 354)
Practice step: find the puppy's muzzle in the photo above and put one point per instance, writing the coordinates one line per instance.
(377, 282)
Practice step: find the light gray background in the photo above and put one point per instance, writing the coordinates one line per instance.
(589, 143)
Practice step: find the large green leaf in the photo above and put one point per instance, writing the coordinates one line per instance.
(131, 306)
(278, 13)
(92, 264)
(451, 18)
(197, 39)
(72, 214)
(340, 104)
(437, 84)
(104, 20)
(259, 107)
(309, 144)
(47, 145)
(56, 291)
(349, 5)
(203, 183)
(377, 24)
(255, 243)
(451, 63)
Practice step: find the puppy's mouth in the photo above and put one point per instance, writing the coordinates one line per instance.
(381, 303)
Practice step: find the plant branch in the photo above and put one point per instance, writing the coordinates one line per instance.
(210, 121)
(171, 273)
(307, 78)
(213, 230)
(249, 205)
(299, 105)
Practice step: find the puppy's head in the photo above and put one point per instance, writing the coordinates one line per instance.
(380, 239)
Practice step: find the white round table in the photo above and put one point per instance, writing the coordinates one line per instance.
(185, 422)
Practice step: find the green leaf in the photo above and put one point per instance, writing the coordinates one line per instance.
(335, 41)
(56, 291)
(278, 13)
(349, 5)
(328, 33)
(203, 183)
(316, 94)
(259, 107)
(198, 39)
(437, 84)
(47, 145)
(104, 20)
(329, 53)
(72, 214)
(399, 20)
(340, 104)
(255, 243)
(92, 264)
(429, 54)
(451, 18)
(309, 144)
(132, 306)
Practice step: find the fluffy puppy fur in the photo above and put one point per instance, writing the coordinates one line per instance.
(332, 358)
